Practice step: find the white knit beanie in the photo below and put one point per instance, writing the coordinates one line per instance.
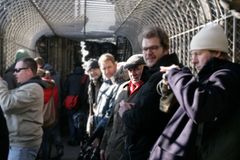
(210, 37)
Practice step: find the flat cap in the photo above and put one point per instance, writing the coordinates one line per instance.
(134, 60)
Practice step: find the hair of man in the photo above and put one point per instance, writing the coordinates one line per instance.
(106, 57)
(150, 32)
(30, 63)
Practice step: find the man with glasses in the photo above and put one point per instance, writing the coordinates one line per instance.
(8, 75)
(23, 111)
(140, 116)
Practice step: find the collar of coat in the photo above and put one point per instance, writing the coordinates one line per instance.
(37, 80)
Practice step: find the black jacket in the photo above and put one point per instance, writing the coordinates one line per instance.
(141, 133)
(4, 142)
(76, 84)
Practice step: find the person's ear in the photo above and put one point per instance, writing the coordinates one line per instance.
(218, 54)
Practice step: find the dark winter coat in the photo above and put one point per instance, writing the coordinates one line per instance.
(141, 133)
(206, 125)
(4, 142)
(77, 84)
(113, 141)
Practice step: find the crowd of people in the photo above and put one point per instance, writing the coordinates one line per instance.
(148, 107)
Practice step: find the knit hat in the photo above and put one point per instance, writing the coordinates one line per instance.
(210, 37)
(20, 54)
(134, 60)
(90, 64)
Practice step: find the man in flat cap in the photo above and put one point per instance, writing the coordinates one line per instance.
(112, 144)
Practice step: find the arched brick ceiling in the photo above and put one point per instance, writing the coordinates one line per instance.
(24, 21)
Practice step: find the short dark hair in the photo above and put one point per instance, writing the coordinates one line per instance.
(30, 63)
(151, 32)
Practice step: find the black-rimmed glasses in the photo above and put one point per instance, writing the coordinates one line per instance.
(19, 69)
(152, 48)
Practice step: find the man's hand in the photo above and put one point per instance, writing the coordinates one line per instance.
(96, 142)
(124, 106)
(102, 154)
(168, 68)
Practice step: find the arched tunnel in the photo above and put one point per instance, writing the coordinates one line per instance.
(68, 32)
(54, 29)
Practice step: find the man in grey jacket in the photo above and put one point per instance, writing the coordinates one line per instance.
(23, 111)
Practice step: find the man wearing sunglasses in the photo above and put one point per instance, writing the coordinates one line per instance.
(23, 111)
(8, 75)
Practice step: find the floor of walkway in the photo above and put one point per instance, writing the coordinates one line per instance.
(70, 152)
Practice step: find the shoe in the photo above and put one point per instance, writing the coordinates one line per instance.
(59, 152)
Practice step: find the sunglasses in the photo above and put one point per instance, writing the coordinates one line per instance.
(19, 69)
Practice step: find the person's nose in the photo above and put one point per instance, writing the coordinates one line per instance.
(194, 59)
(148, 51)
(107, 71)
(134, 73)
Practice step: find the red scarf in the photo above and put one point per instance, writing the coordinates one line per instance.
(134, 87)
